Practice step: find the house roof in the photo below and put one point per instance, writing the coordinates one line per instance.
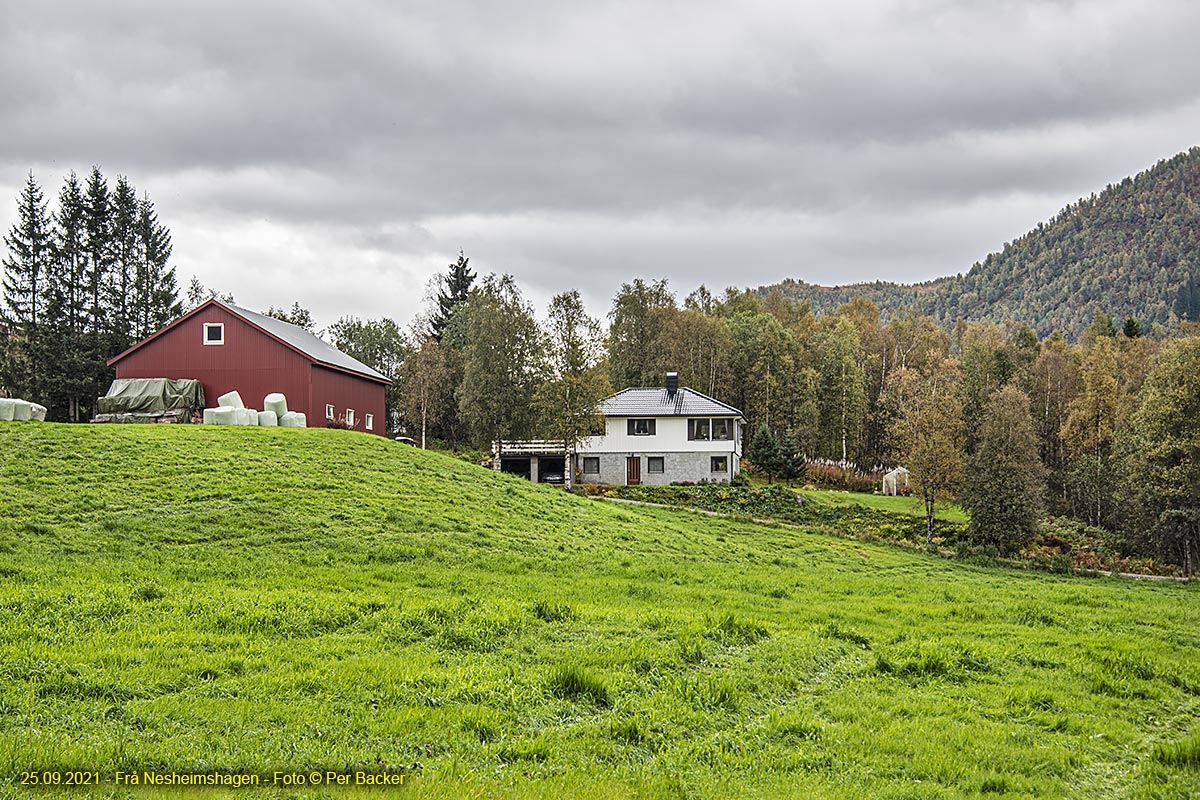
(293, 336)
(658, 402)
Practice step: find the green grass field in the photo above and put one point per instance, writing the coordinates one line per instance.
(212, 598)
(913, 505)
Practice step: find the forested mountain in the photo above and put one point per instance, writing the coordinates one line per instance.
(1131, 251)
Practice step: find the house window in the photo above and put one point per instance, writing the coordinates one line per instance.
(654, 464)
(722, 429)
(720, 464)
(369, 422)
(329, 411)
(214, 333)
(350, 417)
(698, 429)
(591, 465)
(641, 427)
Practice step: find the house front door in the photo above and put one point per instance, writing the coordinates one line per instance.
(633, 470)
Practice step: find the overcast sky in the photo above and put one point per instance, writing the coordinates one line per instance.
(340, 154)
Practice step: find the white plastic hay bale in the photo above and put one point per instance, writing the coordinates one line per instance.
(290, 420)
(249, 416)
(302, 419)
(39, 412)
(275, 402)
(231, 400)
(225, 416)
(210, 416)
(267, 419)
(6, 409)
(22, 410)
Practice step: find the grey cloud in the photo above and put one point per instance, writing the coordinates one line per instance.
(694, 139)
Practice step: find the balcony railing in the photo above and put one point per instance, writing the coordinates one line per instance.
(531, 447)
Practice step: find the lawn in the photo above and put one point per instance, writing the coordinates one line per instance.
(914, 505)
(211, 598)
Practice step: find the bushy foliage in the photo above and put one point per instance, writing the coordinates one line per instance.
(1005, 486)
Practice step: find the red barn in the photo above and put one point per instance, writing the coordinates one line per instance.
(228, 348)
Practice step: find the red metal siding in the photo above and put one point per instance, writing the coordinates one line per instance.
(344, 391)
(250, 361)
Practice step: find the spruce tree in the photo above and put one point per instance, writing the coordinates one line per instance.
(29, 256)
(67, 306)
(1005, 484)
(156, 292)
(456, 287)
(767, 454)
(99, 250)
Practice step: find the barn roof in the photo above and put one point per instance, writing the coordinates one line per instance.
(292, 336)
(658, 402)
(310, 345)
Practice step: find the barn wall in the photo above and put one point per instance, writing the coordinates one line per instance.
(344, 391)
(250, 361)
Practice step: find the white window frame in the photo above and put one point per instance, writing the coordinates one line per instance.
(369, 421)
(662, 465)
(350, 417)
(329, 411)
(219, 326)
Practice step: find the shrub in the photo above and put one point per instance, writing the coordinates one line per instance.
(836, 476)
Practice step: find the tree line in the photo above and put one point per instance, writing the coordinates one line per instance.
(1103, 429)
(82, 283)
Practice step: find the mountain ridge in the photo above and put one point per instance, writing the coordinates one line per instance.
(1132, 250)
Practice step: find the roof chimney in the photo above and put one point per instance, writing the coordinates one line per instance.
(672, 383)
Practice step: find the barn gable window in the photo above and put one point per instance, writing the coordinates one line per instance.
(350, 417)
(369, 421)
(329, 411)
(214, 333)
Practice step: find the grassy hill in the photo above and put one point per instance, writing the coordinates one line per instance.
(211, 598)
(1133, 250)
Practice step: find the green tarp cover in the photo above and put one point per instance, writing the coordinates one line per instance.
(127, 395)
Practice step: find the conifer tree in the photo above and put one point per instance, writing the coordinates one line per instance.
(1005, 483)
(26, 266)
(455, 288)
(67, 306)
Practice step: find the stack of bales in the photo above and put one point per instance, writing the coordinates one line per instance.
(15, 410)
(231, 410)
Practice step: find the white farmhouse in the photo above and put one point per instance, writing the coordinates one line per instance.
(652, 436)
(658, 436)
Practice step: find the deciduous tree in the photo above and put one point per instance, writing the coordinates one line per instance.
(576, 376)
(928, 426)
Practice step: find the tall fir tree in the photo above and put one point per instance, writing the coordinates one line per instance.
(67, 306)
(99, 249)
(156, 290)
(30, 253)
(1005, 483)
(455, 289)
